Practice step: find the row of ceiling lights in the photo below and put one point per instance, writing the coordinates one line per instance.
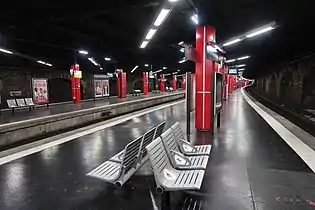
(159, 20)
(92, 60)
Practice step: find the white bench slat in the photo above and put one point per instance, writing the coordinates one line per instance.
(196, 162)
(11, 103)
(166, 176)
(20, 102)
(199, 149)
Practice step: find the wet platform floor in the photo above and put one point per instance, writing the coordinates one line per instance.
(250, 167)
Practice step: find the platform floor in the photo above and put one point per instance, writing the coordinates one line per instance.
(24, 114)
(250, 167)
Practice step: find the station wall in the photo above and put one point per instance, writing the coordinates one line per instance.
(292, 84)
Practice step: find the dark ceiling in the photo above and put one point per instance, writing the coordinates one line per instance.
(54, 32)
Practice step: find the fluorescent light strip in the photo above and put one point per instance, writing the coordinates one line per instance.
(44, 63)
(163, 14)
(182, 61)
(167, 74)
(84, 52)
(242, 65)
(180, 43)
(150, 34)
(195, 19)
(243, 58)
(146, 65)
(260, 32)
(182, 49)
(157, 71)
(144, 44)
(93, 61)
(230, 61)
(241, 69)
(175, 72)
(107, 59)
(134, 69)
(232, 42)
(6, 51)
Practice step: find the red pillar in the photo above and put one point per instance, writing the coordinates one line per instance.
(75, 83)
(174, 82)
(204, 73)
(145, 83)
(184, 82)
(162, 83)
(121, 84)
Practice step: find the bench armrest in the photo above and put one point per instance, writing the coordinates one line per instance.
(180, 159)
(187, 147)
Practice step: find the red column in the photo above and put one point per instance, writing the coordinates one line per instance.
(123, 85)
(145, 83)
(174, 82)
(184, 82)
(162, 83)
(204, 72)
(75, 83)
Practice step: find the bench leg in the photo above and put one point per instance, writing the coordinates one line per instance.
(166, 201)
(219, 120)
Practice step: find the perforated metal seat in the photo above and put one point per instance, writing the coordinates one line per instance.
(148, 138)
(179, 160)
(168, 178)
(119, 173)
(185, 147)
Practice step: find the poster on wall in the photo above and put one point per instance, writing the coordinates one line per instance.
(101, 85)
(40, 90)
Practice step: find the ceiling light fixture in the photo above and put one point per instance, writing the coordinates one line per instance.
(164, 67)
(181, 43)
(182, 61)
(178, 70)
(163, 14)
(144, 44)
(44, 63)
(150, 34)
(173, 0)
(264, 30)
(241, 65)
(182, 49)
(157, 71)
(6, 51)
(101, 68)
(232, 42)
(241, 69)
(107, 59)
(243, 58)
(93, 61)
(195, 19)
(230, 61)
(84, 52)
(146, 65)
(134, 69)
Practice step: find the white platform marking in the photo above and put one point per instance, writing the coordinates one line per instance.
(303, 150)
(114, 122)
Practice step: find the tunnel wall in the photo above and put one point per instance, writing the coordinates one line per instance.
(292, 84)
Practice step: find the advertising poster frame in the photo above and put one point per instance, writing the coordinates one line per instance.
(40, 97)
(100, 91)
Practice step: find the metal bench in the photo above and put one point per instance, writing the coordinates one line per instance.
(12, 104)
(119, 173)
(177, 159)
(148, 137)
(167, 178)
(185, 147)
(29, 102)
(136, 92)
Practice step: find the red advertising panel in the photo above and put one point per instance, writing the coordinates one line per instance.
(40, 90)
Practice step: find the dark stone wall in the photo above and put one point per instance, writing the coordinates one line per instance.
(292, 84)
(19, 79)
